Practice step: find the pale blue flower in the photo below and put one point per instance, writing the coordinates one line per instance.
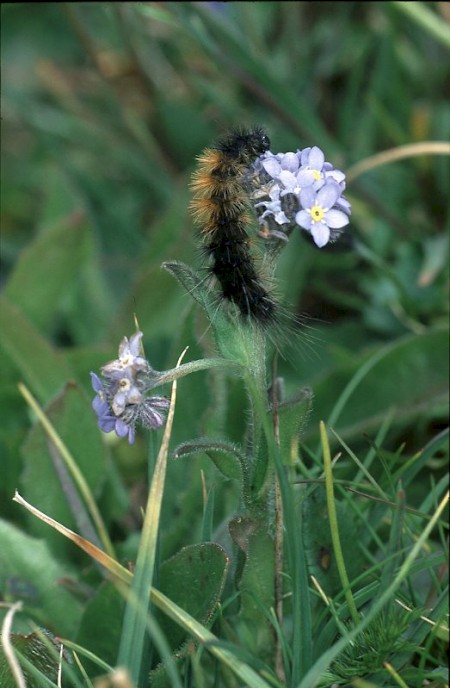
(285, 182)
(318, 216)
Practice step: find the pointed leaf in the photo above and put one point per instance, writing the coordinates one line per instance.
(293, 415)
(193, 578)
(195, 285)
(255, 582)
(46, 270)
(35, 650)
(318, 543)
(41, 366)
(225, 455)
(45, 480)
(29, 572)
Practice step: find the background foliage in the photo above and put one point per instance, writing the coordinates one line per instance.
(105, 106)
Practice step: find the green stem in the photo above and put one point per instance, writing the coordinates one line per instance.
(301, 610)
(192, 367)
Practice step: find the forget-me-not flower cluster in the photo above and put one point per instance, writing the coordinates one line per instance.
(301, 189)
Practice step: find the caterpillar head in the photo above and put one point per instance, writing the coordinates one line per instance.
(256, 142)
(245, 145)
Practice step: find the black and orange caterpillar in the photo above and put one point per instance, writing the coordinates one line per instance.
(221, 208)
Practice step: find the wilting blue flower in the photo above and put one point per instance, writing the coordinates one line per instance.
(130, 361)
(273, 207)
(121, 400)
(106, 420)
(99, 403)
(318, 215)
(152, 412)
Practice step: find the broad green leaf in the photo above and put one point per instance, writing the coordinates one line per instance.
(318, 544)
(35, 650)
(193, 578)
(45, 480)
(30, 572)
(255, 582)
(46, 270)
(100, 625)
(41, 367)
(409, 376)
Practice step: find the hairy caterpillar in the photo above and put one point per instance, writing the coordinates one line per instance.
(220, 206)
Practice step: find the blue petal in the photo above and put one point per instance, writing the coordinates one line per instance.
(328, 194)
(121, 428)
(100, 405)
(320, 233)
(308, 197)
(96, 383)
(106, 423)
(336, 218)
(316, 158)
(303, 219)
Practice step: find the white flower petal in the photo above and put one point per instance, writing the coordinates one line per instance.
(304, 155)
(337, 175)
(119, 403)
(280, 218)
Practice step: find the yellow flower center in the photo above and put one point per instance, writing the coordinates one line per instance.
(317, 175)
(317, 213)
